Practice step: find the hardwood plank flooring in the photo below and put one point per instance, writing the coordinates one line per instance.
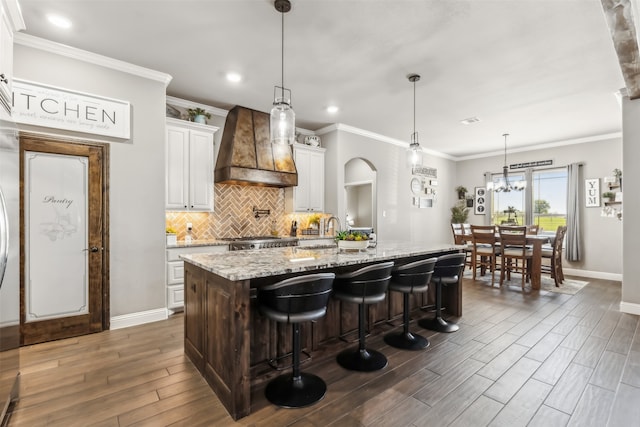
(519, 359)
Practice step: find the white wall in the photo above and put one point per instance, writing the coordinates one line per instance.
(630, 178)
(602, 237)
(397, 219)
(137, 240)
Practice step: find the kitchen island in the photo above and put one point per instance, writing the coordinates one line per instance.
(230, 343)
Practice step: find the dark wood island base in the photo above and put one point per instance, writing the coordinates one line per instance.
(230, 343)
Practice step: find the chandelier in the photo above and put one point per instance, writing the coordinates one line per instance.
(283, 118)
(414, 152)
(504, 185)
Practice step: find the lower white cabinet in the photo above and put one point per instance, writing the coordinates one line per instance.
(175, 272)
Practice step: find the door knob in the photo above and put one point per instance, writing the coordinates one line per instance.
(92, 249)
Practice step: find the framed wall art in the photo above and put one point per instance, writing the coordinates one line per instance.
(480, 206)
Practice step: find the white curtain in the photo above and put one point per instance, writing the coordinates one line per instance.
(528, 197)
(488, 183)
(574, 232)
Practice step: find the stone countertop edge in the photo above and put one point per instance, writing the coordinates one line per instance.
(194, 243)
(251, 264)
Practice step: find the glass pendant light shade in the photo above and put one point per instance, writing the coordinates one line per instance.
(283, 118)
(283, 122)
(414, 151)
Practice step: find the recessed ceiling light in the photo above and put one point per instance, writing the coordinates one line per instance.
(59, 21)
(470, 120)
(234, 77)
(332, 109)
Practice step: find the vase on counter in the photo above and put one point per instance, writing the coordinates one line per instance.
(172, 239)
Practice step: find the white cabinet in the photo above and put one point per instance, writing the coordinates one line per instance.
(189, 166)
(308, 196)
(10, 22)
(175, 272)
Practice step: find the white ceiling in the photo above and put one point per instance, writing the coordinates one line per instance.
(542, 70)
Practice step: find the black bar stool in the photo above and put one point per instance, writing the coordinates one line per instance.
(367, 285)
(408, 279)
(295, 300)
(446, 272)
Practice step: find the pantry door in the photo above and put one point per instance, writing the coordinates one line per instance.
(64, 288)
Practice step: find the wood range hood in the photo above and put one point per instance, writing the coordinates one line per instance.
(246, 155)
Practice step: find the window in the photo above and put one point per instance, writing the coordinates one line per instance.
(508, 207)
(548, 199)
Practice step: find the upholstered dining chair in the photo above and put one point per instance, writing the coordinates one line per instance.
(462, 236)
(485, 251)
(553, 253)
(514, 250)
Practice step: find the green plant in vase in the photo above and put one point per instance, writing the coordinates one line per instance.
(198, 115)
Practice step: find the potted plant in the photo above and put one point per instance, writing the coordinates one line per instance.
(352, 240)
(462, 191)
(608, 196)
(198, 115)
(459, 212)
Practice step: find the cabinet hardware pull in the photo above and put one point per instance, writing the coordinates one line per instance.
(193, 287)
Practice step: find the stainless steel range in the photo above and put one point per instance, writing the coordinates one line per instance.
(260, 242)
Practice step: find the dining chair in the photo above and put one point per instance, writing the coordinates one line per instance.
(485, 251)
(462, 236)
(553, 252)
(514, 249)
(533, 229)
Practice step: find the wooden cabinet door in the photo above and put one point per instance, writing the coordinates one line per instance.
(176, 168)
(301, 192)
(194, 324)
(315, 185)
(200, 171)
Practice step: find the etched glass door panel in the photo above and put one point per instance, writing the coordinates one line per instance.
(56, 236)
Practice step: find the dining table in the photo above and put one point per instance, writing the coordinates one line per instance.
(535, 241)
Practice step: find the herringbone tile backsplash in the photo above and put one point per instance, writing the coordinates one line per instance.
(234, 217)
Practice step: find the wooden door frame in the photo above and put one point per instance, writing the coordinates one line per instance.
(104, 148)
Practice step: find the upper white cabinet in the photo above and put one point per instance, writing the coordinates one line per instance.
(189, 166)
(308, 196)
(10, 22)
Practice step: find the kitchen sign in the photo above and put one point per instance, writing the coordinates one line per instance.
(42, 105)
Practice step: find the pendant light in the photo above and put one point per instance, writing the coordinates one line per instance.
(505, 185)
(414, 152)
(283, 118)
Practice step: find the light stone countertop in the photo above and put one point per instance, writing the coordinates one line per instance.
(250, 264)
(204, 242)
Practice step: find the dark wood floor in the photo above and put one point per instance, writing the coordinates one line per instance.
(536, 359)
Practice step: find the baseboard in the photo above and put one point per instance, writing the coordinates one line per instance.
(592, 274)
(630, 308)
(139, 318)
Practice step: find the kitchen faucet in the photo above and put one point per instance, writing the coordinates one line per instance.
(329, 223)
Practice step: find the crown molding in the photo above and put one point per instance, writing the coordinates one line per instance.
(184, 103)
(92, 58)
(544, 146)
(376, 136)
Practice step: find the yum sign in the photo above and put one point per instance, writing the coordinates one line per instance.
(592, 192)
